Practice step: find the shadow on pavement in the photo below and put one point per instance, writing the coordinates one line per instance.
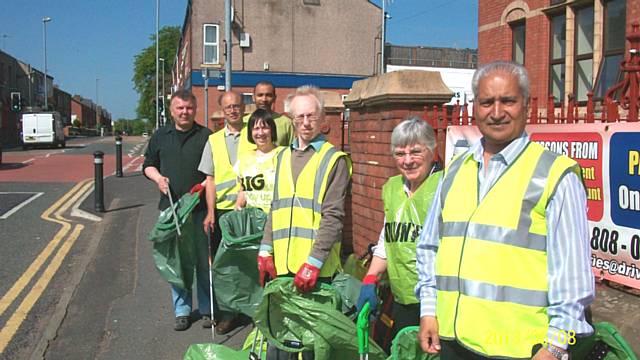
(124, 208)
(12, 166)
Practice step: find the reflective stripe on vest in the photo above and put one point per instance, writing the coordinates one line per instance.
(491, 265)
(404, 219)
(227, 186)
(295, 210)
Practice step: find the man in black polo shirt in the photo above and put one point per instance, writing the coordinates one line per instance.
(171, 161)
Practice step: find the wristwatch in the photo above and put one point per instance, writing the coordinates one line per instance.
(558, 353)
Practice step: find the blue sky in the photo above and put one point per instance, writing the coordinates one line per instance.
(89, 39)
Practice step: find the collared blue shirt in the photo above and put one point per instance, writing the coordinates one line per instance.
(571, 282)
(316, 143)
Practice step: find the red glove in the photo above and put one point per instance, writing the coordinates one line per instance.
(196, 189)
(266, 269)
(306, 278)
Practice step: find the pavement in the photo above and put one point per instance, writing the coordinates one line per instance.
(121, 307)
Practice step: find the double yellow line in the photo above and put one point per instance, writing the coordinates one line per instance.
(65, 235)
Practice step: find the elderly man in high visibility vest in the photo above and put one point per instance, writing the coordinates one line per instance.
(503, 260)
(304, 227)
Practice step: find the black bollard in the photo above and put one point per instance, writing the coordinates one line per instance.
(99, 187)
(118, 156)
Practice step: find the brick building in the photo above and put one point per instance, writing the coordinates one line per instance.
(19, 77)
(329, 43)
(83, 110)
(570, 47)
(61, 102)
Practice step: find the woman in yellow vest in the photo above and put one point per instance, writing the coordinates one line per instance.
(407, 198)
(256, 168)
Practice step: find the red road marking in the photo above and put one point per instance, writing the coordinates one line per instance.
(55, 168)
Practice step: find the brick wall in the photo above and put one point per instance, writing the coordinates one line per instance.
(495, 37)
(377, 105)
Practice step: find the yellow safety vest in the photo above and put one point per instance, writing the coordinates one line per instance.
(257, 177)
(227, 186)
(491, 265)
(295, 211)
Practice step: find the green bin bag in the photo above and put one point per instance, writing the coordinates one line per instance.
(348, 287)
(214, 352)
(235, 266)
(606, 344)
(405, 346)
(174, 255)
(313, 321)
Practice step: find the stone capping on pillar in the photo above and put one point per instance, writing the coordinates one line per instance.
(332, 102)
(406, 86)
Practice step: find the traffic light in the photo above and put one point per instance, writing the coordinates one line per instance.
(16, 102)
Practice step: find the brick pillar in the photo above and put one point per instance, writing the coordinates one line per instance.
(377, 105)
(333, 109)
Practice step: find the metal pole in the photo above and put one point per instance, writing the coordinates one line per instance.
(205, 74)
(227, 37)
(118, 156)
(97, 97)
(99, 187)
(155, 92)
(30, 94)
(164, 96)
(383, 30)
(45, 20)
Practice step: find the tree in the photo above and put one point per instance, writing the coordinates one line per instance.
(144, 71)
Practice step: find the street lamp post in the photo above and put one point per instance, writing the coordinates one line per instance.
(97, 97)
(164, 110)
(45, 20)
(157, 69)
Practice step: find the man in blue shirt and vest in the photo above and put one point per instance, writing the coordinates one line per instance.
(503, 260)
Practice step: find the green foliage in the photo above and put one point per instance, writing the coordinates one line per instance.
(144, 71)
(76, 123)
(132, 126)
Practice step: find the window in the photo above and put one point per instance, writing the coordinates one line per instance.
(556, 63)
(584, 53)
(311, 2)
(211, 49)
(247, 98)
(613, 46)
(518, 42)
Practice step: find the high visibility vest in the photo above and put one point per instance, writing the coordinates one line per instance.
(491, 265)
(227, 186)
(257, 177)
(404, 219)
(295, 210)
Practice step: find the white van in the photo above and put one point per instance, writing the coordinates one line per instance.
(42, 128)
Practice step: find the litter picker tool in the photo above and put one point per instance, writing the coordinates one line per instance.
(213, 326)
(173, 211)
(362, 328)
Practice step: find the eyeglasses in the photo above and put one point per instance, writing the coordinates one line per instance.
(311, 117)
(414, 153)
(232, 107)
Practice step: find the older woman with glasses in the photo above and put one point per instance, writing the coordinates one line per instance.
(256, 168)
(407, 198)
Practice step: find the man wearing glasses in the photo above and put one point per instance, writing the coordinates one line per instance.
(264, 96)
(217, 161)
(311, 182)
